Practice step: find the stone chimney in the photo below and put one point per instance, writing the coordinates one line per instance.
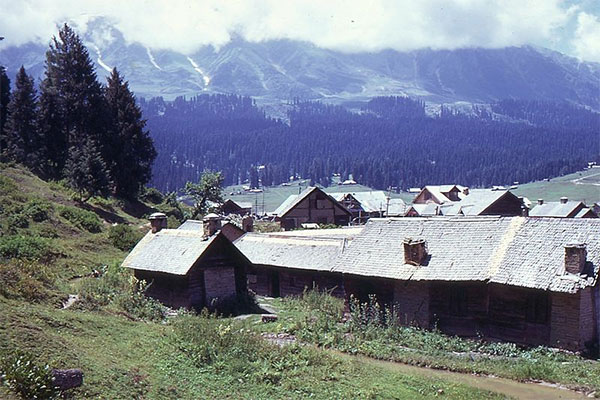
(415, 251)
(540, 202)
(248, 223)
(211, 224)
(466, 191)
(564, 200)
(575, 258)
(158, 221)
(524, 211)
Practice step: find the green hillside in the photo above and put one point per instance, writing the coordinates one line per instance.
(123, 342)
(582, 186)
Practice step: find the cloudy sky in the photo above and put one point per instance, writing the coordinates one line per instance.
(572, 27)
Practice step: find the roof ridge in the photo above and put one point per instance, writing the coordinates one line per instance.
(500, 252)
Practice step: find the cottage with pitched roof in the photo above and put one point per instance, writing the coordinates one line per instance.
(526, 280)
(311, 205)
(189, 267)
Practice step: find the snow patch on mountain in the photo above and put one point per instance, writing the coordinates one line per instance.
(205, 77)
(99, 60)
(152, 60)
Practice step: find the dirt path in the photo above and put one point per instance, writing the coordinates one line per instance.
(517, 390)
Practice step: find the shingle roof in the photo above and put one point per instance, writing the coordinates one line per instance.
(476, 202)
(173, 251)
(396, 208)
(439, 191)
(370, 201)
(299, 252)
(293, 200)
(240, 204)
(555, 209)
(192, 225)
(519, 251)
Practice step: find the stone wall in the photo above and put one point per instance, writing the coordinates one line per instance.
(219, 283)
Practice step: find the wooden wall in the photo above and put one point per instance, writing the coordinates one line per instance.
(316, 207)
(280, 282)
(171, 290)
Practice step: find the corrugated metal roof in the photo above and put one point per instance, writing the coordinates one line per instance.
(555, 209)
(299, 252)
(518, 251)
(173, 251)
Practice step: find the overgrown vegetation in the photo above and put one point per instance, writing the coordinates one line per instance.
(124, 237)
(21, 373)
(369, 330)
(81, 218)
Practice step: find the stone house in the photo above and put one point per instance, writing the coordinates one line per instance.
(189, 268)
(526, 280)
(285, 263)
(311, 205)
(564, 208)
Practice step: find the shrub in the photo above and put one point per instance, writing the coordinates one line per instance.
(27, 247)
(82, 218)
(7, 185)
(19, 220)
(27, 280)
(21, 374)
(135, 302)
(124, 237)
(38, 210)
(152, 195)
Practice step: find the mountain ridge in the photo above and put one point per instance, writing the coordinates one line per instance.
(274, 72)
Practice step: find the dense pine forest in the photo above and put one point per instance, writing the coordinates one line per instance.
(76, 129)
(390, 142)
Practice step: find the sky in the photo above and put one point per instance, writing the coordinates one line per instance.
(569, 26)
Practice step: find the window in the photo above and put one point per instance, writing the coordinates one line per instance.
(458, 301)
(537, 308)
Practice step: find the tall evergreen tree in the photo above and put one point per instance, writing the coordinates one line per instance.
(55, 141)
(86, 171)
(73, 94)
(128, 148)
(4, 99)
(22, 140)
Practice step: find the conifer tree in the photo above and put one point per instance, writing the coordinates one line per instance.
(72, 97)
(4, 99)
(86, 171)
(52, 136)
(128, 149)
(22, 141)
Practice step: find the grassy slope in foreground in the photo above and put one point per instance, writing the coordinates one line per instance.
(125, 359)
(110, 335)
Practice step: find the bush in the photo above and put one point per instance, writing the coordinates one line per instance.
(152, 195)
(82, 218)
(124, 237)
(26, 247)
(38, 210)
(119, 287)
(27, 280)
(17, 221)
(21, 374)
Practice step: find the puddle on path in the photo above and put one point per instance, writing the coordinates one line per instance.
(517, 390)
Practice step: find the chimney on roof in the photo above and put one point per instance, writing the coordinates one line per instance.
(415, 251)
(211, 224)
(564, 200)
(540, 202)
(158, 221)
(524, 211)
(575, 258)
(248, 223)
(466, 191)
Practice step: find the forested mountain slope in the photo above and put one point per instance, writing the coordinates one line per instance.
(391, 142)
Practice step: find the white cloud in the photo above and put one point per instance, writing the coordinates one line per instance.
(347, 25)
(587, 37)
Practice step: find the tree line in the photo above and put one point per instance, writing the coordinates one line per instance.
(75, 128)
(390, 142)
